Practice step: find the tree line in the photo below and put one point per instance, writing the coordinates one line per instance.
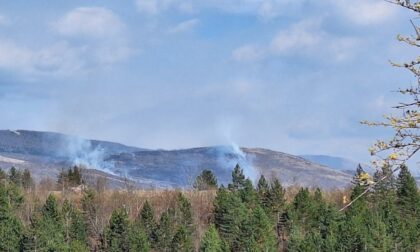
(244, 217)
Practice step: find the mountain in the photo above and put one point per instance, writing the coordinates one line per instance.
(46, 153)
(336, 163)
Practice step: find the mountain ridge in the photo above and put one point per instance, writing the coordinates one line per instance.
(46, 153)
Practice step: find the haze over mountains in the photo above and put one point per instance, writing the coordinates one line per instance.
(46, 154)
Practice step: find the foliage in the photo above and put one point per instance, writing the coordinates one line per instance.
(244, 218)
(211, 241)
(146, 222)
(116, 235)
(10, 226)
(70, 178)
(205, 181)
(405, 142)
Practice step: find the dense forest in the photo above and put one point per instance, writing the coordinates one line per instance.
(237, 217)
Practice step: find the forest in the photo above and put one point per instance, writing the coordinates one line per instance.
(73, 216)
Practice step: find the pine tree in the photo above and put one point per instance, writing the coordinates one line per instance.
(139, 241)
(205, 181)
(303, 207)
(408, 205)
(262, 231)
(116, 235)
(277, 200)
(264, 197)
(74, 225)
(27, 181)
(90, 210)
(407, 193)
(183, 225)
(238, 179)
(66, 211)
(184, 213)
(77, 246)
(146, 221)
(75, 177)
(15, 176)
(182, 241)
(248, 194)
(363, 228)
(211, 241)
(47, 228)
(10, 226)
(165, 232)
(229, 214)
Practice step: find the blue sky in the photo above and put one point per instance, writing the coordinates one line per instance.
(290, 75)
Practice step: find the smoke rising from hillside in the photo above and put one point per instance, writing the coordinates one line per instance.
(82, 152)
(232, 154)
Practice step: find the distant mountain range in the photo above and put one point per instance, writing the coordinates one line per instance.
(46, 154)
(337, 163)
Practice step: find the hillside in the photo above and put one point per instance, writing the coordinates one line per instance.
(45, 154)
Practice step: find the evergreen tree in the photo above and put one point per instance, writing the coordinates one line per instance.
(165, 232)
(407, 193)
(205, 181)
(277, 200)
(77, 227)
(66, 212)
(248, 194)
(262, 231)
(184, 213)
(75, 176)
(138, 239)
(47, 228)
(182, 241)
(77, 246)
(74, 225)
(116, 235)
(408, 206)
(229, 214)
(10, 226)
(90, 210)
(146, 221)
(363, 228)
(303, 208)
(27, 181)
(15, 195)
(305, 240)
(15, 176)
(238, 179)
(264, 197)
(211, 241)
(69, 178)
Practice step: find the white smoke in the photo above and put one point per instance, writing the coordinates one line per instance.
(81, 152)
(232, 154)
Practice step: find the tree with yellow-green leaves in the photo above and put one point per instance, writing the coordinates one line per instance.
(406, 140)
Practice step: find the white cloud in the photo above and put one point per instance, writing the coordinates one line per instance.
(102, 43)
(360, 12)
(89, 22)
(302, 35)
(57, 59)
(305, 38)
(184, 26)
(247, 53)
(365, 12)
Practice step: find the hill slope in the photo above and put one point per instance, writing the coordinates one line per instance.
(45, 154)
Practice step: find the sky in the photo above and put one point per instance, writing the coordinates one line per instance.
(291, 75)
